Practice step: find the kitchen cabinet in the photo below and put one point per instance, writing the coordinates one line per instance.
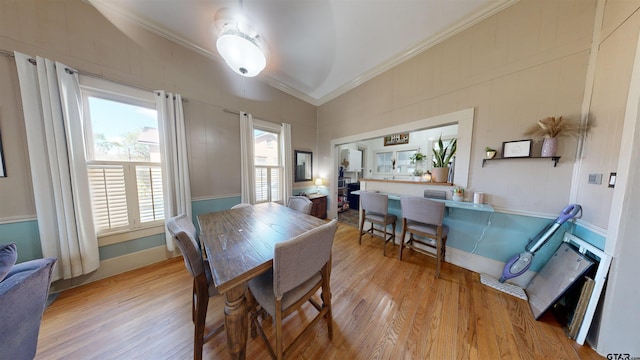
(351, 159)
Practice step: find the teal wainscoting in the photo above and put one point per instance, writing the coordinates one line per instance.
(496, 236)
(211, 205)
(499, 236)
(589, 236)
(310, 190)
(26, 236)
(131, 246)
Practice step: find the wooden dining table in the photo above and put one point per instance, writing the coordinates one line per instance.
(239, 244)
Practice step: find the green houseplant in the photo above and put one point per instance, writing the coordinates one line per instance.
(441, 158)
(418, 159)
(491, 153)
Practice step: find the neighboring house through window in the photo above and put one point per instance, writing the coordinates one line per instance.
(123, 158)
(268, 164)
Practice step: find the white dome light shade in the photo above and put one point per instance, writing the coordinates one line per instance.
(242, 53)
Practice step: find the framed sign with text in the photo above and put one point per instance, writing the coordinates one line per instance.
(396, 139)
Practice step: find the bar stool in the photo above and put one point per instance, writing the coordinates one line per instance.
(424, 217)
(375, 209)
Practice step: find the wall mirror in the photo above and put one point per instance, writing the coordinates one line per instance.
(303, 165)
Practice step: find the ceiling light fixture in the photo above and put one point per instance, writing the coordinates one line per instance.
(245, 54)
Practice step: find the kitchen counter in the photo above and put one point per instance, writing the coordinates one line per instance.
(403, 181)
(448, 203)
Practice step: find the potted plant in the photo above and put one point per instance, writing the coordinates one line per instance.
(550, 129)
(418, 159)
(491, 153)
(441, 158)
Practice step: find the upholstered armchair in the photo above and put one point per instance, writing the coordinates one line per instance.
(23, 296)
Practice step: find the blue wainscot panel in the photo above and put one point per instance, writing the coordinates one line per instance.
(212, 205)
(589, 236)
(499, 236)
(132, 246)
(26, 236)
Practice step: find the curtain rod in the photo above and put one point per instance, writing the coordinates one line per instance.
(235, 112)
(87, 73)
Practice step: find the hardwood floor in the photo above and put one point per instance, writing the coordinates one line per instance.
(382, 308)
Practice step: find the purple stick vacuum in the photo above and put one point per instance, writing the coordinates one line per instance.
(520, 263)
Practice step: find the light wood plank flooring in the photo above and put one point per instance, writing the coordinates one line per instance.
(383, 309)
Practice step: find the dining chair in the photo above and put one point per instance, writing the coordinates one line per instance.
(301, 266)
(241, 205)
(300, 203)
(184, 234)
(424, 217)
(375, 209)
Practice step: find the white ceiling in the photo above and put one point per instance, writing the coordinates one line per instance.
(318, 49)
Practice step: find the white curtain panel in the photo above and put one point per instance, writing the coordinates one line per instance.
(287, 161)
(175, 164)
(248, 174)
(53, 121)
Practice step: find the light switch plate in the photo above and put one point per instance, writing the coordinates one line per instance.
(595, 179)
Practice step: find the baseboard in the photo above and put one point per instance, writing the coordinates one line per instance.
(481, 264)
(116, 266)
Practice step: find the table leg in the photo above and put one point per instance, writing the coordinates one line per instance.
(235, 321)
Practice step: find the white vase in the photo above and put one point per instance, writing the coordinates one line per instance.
(549, 147)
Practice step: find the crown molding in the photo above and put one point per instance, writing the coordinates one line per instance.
(105, 7)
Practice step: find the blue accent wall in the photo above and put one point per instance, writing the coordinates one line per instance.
(499, 236)
(206, 206)
(26, 236)
(131, 246)
(496, 236)
(589, 236)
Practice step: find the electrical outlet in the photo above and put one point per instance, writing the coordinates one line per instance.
(595, 179)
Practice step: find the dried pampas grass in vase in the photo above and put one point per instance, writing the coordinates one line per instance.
(550, 129)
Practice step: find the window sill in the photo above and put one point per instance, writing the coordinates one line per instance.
(128, 235)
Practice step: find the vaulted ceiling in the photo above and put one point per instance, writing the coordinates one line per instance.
(318, 49)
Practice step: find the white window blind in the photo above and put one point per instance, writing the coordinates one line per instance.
(268, 183)
(125, 195)
(149, 186)
(108, 196)
(275, 176)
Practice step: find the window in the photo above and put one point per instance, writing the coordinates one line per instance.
(123, 161)
(397, 162)
(404, 165)
(269, 171)
(384, 162)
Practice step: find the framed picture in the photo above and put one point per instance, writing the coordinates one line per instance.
(3, 171)
(518, 148)
(396, 139)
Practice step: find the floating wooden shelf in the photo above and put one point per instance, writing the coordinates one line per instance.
(555, 159)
